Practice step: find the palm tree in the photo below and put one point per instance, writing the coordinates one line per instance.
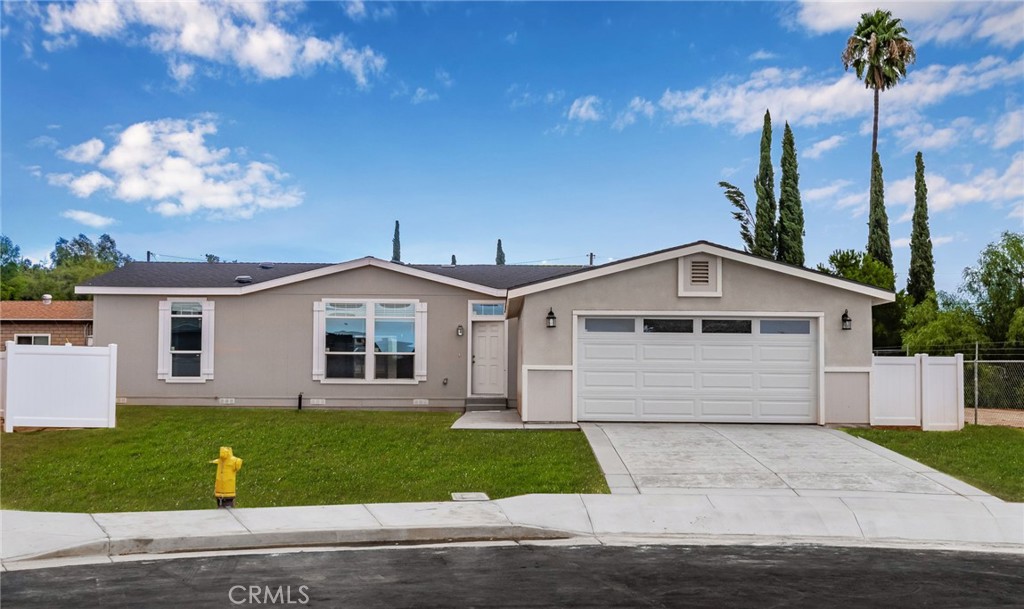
(879, 51)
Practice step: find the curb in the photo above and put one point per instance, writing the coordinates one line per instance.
(286, 539)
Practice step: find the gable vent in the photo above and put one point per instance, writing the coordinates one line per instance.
(243, 279)
(700, 272)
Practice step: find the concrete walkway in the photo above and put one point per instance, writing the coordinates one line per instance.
(762, 460)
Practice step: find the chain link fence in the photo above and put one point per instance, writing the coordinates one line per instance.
(993, 381)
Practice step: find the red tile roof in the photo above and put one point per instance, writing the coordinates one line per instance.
(58, 310)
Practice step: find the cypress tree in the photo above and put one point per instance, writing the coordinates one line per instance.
(879, 245)
(396, 246)
(765, 239)
(499, 257)
(453, 259)
(791, 213)
(921, 279)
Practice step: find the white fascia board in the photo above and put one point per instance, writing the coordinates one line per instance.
(878, 296)
(321, 272)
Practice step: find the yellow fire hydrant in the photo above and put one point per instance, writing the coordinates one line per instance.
(224, 489)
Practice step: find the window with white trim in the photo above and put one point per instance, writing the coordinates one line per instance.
(185, 341)
(380, 341)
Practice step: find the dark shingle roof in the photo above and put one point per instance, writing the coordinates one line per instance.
(195, 274)
(500, 276)
(222, 274)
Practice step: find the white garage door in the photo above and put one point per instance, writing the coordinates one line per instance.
(751, 370)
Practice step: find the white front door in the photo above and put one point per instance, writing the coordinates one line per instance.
(488, 358)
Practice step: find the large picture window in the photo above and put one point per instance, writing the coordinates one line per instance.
(382, 341)
(185, 340)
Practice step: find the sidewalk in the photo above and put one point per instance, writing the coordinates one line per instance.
(943, 522)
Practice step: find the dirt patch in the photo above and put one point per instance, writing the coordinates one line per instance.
(1007, 417)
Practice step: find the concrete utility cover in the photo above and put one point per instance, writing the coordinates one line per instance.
(684, 458)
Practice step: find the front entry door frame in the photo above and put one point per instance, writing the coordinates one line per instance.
(475, 318)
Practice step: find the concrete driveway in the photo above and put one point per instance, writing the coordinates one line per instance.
(793, 460)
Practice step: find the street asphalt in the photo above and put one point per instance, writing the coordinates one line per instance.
(540, 575)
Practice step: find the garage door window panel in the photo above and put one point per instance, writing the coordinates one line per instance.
(610, 324)
(725, 326)
(668, 326)
(785, 326)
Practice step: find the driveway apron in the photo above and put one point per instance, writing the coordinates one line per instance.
(794, 460)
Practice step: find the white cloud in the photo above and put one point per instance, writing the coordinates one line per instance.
(942, 22)
(936, 241)
(822, 146)
(920, 135)
(43, 141)
(512, 38)
(181, 71)
(355, 9)
(169, 164)
(794, 96)
(82, 186)
(825, 192)
(423, 95)
(253, 36)
(522, 96)
(444, 77)
(586, 109)
(86, 152)
(989, 186)
(638, 106)
(88, 218)
(761, 55)
(1009, 130)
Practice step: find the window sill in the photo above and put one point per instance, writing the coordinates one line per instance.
(369, 382)
(185, 380)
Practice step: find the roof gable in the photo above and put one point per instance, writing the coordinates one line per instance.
(877, 295)
(201, 278)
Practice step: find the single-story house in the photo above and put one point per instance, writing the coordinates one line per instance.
(45, 322)
(698, 332)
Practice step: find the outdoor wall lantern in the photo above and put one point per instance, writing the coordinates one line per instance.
(460, 331)
(847, 322)
(551, 319)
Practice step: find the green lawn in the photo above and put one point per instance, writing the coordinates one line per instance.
(990, 458)
(156, 459)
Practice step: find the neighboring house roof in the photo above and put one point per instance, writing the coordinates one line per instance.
(878, 295)
(57, 310)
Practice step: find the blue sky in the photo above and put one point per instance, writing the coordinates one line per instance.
(301, 132)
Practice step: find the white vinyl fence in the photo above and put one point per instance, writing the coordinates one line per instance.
(918, 391)
(55, 386)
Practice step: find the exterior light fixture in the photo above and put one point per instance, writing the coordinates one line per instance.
(551, 319)
(460, 331)
(847, 322)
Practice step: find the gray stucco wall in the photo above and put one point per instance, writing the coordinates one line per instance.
(745, 288)
(263, 345)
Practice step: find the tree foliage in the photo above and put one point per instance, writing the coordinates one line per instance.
(765, 239)
(453, 260)
(741, 214)
(879, 52)
(921, 279)
(938, 328)
(396, 246)
(859, 266)
(996, 284)
(71, 263)
(791, 213)
(499, 256)
(879, 243)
